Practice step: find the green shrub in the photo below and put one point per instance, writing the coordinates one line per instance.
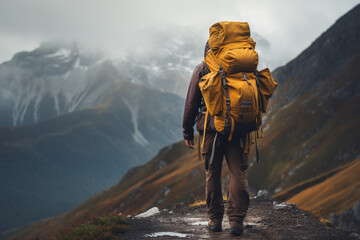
(98, 228)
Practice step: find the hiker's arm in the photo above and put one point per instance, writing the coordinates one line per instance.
(192, 105)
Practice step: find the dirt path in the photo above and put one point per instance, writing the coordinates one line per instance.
(265, 221)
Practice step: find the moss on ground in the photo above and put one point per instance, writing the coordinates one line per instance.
(97, 228)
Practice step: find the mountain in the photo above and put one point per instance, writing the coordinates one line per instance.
(54, 79)
(311, 131)
(311, 141)
(106, 127)
(61, 77)
(312, 126)
(164, 58)
(73, 121)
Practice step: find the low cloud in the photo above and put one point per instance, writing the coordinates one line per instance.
(288, 26)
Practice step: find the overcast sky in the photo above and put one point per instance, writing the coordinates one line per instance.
(290, 26)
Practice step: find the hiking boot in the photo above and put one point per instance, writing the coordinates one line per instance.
(236, 228)
(214, 226)
(236, 231)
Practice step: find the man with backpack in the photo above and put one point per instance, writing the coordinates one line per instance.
(226, 100)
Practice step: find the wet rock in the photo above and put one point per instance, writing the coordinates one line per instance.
(151, 212)
(277, 206)
(354, 235)
(263, 194)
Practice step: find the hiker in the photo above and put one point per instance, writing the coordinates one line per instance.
(218, 138)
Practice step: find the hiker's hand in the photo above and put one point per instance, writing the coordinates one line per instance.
(189, 143)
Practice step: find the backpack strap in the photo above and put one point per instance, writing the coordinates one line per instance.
(259, 121)
(205, 124)
(227, 118)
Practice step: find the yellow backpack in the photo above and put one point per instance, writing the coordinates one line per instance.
(235, 93)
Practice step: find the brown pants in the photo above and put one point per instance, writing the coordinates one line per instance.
(237, 192)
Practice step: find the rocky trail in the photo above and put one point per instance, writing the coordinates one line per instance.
(266, 219)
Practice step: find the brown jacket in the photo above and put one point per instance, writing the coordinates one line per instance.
(195, 109)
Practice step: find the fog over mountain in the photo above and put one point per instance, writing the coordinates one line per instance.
(289, 26)
(61, 77)
(164, 60)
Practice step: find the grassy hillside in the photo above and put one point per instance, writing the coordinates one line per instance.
(334, 195)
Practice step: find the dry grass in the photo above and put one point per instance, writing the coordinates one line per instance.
(334, 195)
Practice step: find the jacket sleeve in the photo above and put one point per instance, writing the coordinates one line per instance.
(192, 103)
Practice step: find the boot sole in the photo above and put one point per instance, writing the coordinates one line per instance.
(236, 232)
(214, 228)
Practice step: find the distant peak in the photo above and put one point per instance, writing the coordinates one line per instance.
(56, 45)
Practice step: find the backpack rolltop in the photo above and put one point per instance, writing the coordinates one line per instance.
(235, 93)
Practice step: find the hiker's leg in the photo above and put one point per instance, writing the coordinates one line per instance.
(214, 199)
(238, 191)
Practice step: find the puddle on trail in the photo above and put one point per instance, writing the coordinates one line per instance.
(170, 234)
(204, 223)
(195, 221)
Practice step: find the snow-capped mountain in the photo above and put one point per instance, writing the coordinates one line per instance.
(59, 78)
(164, 59)
(54, 79)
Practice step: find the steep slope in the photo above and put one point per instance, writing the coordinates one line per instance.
(51, 167)
(334, 195)
(312, 126)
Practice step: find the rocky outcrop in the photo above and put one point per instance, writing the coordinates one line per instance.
(349, 220)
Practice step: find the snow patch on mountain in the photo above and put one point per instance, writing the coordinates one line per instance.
(62, 53)
(137, 135)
